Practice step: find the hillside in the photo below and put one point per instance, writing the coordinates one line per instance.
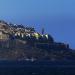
(19, 42)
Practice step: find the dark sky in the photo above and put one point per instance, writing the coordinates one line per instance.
(56, 16)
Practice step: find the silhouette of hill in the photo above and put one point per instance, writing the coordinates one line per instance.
(18, 42)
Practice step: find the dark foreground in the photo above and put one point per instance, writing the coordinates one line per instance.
(37, 68)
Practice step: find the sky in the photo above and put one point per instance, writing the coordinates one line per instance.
(56, 16)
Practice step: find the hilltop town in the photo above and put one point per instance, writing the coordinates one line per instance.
(20, 42)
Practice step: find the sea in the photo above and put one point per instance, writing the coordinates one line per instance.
(41, 67)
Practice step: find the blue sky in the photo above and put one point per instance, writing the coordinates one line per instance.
(56, 16)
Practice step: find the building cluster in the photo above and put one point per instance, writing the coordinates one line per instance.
(7, 29)
(10, 33)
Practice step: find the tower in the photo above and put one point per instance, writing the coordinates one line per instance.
(43, 30)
